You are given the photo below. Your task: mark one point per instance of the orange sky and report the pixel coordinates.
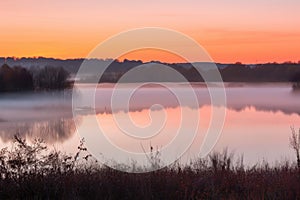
(231, 30)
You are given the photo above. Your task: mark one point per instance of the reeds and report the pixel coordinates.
(31, 171)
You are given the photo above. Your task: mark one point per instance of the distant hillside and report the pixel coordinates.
(72, 65)
(238, 72)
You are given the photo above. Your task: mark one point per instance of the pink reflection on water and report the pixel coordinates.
(258, 135)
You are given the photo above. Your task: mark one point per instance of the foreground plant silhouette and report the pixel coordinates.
(295, 144)
(31, 171)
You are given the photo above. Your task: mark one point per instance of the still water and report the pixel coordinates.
(257, 124)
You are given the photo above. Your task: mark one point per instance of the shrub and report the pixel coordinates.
(49, 78)
(15, 79)
(30, 171)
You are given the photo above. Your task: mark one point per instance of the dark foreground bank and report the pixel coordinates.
(33, 172)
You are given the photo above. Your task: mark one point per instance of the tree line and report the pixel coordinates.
(54, 78)
(18, 78)
(237, 72)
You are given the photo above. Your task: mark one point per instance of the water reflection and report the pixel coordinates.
(265, 97)
(257, 123)
(259, 135)
(51, 131)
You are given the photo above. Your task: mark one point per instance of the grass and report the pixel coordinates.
(31, 171)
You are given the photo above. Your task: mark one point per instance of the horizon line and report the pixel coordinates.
(106, 59)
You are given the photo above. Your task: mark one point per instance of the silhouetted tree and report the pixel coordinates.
(6, 74)
(296, 80)
(22, 79)
(15, 79)
(19, 78)
(50, 78)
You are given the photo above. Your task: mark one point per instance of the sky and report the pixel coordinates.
(254, 31)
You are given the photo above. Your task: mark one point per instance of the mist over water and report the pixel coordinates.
(257, 125)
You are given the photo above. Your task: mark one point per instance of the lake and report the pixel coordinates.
(257, 123)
